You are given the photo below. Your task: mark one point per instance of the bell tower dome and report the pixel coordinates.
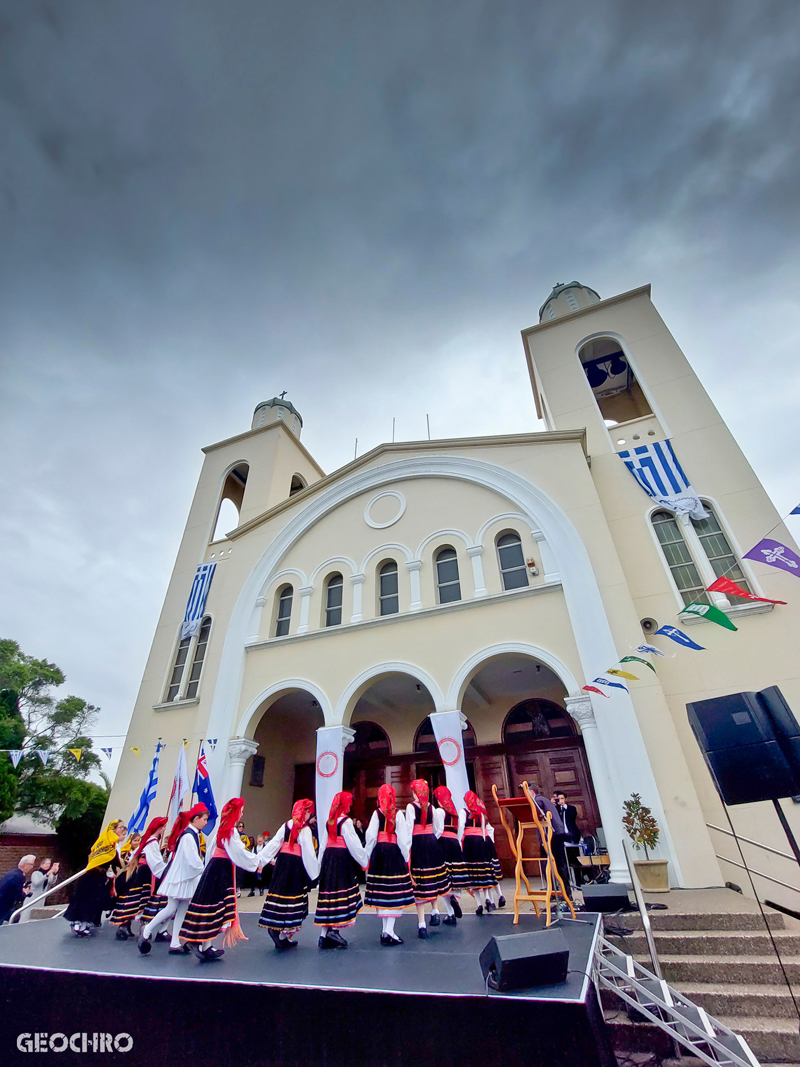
(278, 410)
(565, 298)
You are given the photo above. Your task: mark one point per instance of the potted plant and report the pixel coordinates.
(643, 831)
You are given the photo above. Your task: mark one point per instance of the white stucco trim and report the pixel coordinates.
(383, 550)
(468, 542)
(509, 516)
(329, 564)
(464, 674)
(349, 698)
(249, 721)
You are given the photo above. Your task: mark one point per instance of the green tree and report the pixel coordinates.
(80, 825)
(640, 824)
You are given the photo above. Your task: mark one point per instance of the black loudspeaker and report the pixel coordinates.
(609, 897)
(751, 743)
(521, 961)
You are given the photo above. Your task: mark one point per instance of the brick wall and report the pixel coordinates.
(14, 846)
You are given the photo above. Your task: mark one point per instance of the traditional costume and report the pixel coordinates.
(296, 867)
(338, 897)
(497, 871)
(92, 896)
(135, 886)
(450, 841)
(388, 846)
(428, 868)
(477, 861)
(180, 879)
(213, 907)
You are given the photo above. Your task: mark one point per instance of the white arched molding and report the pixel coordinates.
(289, 576)
(510, 517)
(387, 550)
(248, 722)
(448, 534)
(626, 754)
(465, 673)
(349, 698)
(221, 485)
(331, 565)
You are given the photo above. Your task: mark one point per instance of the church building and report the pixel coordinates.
(435, 608)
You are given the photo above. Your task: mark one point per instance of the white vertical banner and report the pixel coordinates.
(331, 743)
(447, 729)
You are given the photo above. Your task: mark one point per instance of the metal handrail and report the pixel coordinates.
(759, 874)
(35, 900)
(637, 892)
(749, 841)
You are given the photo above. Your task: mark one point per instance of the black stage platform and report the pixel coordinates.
(421, 1003)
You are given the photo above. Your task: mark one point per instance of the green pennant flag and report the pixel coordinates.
(638, 659)
(708, 611)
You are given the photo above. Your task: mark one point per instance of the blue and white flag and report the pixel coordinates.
(614, 685)
(649, 648)
(107, 752)
(679, 637)
(197, 599)
(795, 511)
(138, 820)
(205, 794)
(16, 755)
(657, 470)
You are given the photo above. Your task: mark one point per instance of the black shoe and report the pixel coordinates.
(122, 934)
(449, 920)
(422, 932)
(490, 907)
(479, 910)
(456, 907)
(182, 950)
(163, 935)
(144, 945)
(501, 903)
(387, 940)
(276, 937)
(435, 920)
(208, 955)
(252, 893)
(336, 938)
(286, 943)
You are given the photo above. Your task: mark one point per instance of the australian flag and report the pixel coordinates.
(205, 794)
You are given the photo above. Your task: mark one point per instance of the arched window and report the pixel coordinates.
(333, 600)
(297, 485)
(619, 396)
(198, 658)
(512, 562)
(425, 739)
(178, 668)
(230, 502)
(388, 597)
(697, 554)
(717, 549)
(189, 649)
(679, 559)
(284, 616)
(370, 740)
(447, 583)
(535, 719)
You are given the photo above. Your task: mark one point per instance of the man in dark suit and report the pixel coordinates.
(569, 816)
(11, 891)
(547, 807)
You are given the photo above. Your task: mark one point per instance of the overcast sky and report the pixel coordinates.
(206, 202)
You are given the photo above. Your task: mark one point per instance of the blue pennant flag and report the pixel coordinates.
(795, 511)
(138, 820)
(198, 595)
(679, 637)
(605, 681)
(106, 752)
(205, 794)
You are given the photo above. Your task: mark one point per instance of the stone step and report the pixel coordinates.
(770, 1039)
(695, 920)
(713, 943)
(728, 970)
(766, 1001)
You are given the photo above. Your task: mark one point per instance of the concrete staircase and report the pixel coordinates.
(722, 959)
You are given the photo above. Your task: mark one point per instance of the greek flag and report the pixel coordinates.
(197, 599)
(657, 470)
(138, 820)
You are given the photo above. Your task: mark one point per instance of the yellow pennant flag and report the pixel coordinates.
(623, 674)
(136, 750)
(76, 752)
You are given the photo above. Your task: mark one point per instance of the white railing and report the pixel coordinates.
(36, 901)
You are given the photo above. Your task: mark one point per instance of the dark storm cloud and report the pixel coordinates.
(202, 203)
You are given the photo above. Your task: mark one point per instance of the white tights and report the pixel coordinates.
(175, 908)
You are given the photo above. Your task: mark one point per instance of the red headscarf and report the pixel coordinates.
(475, 805)
(387, 803)
(419, 790)
(183, 820)
(231, 814)
(152, 829)
(444, 799)
(340, 805)
(301, 813)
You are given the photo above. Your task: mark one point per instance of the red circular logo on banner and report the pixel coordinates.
(327, 764)
(449, 751)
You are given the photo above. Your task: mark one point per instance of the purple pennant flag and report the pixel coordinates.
(776, 554)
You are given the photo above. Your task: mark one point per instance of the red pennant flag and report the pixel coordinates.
(591, 689)
(725, 585)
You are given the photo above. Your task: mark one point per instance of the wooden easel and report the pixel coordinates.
(530, 818)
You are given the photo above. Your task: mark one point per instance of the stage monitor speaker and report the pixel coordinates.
(751, 744)
(522, 961)
(609, 897)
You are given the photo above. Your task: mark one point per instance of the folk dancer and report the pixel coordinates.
(296, 866)
(426, 862)
(92, 896)
(480, 876)
(213, 907)
(180, 878)
(135, 886)
(338, 896)
(495, 893)
(454, 822)
(388, 846)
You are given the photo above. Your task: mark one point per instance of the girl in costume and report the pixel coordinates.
(213, 907)
(450, 840)
(339, 898)
(477, 861)
(389, 887)
(495, 892)
(135, 886)
(428, 868)
(91, 896)
(296, 866)
(180, 878)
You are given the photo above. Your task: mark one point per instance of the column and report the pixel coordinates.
(305, 603)
(255, 619)
(331, 743)
(549, 567)
(240, 749)
(447, 729)
(581, 710)
(358, 588)
(475, 552)
(413, 567)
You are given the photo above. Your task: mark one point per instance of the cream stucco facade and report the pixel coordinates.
(292, 701)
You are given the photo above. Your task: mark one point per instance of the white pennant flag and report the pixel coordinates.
(16, 755)
(43, 754)
(181, 785)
